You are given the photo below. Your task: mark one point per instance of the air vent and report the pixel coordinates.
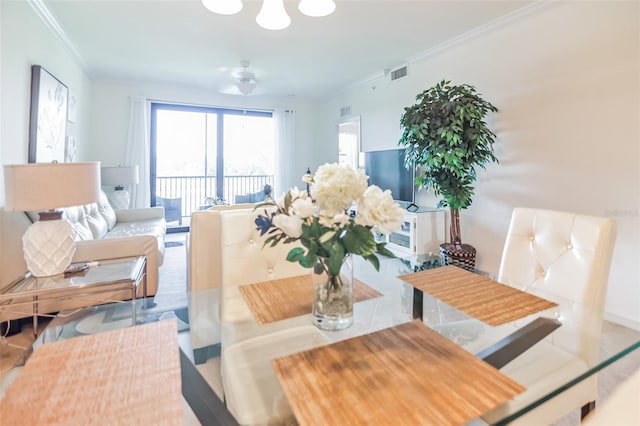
(344, 111)
(399, 73)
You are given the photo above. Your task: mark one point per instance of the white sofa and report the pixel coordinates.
(100, 232)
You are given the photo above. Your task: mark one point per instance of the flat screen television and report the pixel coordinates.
(386, 169)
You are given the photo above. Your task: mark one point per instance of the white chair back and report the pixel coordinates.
(564, 254)
(564, 257)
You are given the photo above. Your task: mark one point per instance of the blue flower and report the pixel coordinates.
(264, 223)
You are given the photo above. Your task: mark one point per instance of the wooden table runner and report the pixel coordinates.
(276, 300)
(127, 376)
(403, 375)
(478, 296)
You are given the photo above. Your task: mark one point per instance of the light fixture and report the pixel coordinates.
(223, 7)
(272, 15)
(245, 87)
(317, 8)
(118, 177)
(49, 244)
(246, 80)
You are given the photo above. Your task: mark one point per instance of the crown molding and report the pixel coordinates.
(52, 24)
(498, 22)
(426, 54)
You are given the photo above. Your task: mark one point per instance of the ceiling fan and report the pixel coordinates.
(244, 81)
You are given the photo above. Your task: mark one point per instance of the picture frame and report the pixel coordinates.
(70, 150)
(72, 112)
(48, 117)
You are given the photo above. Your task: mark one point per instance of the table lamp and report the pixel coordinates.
(49, 243)
(118, 177)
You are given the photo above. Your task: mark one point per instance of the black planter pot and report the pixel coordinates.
(461, 255)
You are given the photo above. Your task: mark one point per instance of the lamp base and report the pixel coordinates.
(48, 247)
(119, 199)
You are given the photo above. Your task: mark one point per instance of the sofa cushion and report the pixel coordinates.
(97, 223)
(106, 210)
(78, 218)
(153, 227)
(143, 227)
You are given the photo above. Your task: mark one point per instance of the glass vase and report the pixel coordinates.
(333, 295)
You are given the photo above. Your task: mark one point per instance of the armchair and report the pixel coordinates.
(254, 197)
(172, 208)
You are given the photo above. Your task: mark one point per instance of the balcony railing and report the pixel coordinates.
(194, 190)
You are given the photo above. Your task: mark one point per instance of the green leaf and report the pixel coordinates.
(309, 261)
(359, 240)
(373, 259)
(295, 254)
(336, 258)
(384, 251)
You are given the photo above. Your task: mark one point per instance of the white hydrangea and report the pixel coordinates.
(377, 208)
(336, 187)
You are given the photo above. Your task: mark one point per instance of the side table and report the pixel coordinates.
(27, 294)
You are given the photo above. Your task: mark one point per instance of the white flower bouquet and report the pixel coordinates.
(320, 220)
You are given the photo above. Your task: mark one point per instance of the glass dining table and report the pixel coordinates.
(567, 328)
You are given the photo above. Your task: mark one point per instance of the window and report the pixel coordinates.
(201, 155)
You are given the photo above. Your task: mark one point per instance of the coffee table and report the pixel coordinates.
(394, 307)
(35, 296)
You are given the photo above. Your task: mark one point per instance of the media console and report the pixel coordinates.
(423, 231)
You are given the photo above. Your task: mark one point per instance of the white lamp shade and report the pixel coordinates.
(317, 8)
(47, 186)
(223, 7)
(121, 175)
(273, 16)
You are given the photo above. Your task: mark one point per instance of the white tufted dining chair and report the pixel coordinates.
(566, 257)
(251, 390)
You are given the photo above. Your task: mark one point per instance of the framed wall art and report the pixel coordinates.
(48, 120)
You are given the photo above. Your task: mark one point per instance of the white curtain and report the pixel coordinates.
(138, 150)
(287, 173)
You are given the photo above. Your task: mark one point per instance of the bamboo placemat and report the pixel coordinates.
(276, 300)
(478, 296)
(403, 375)
(127, 376)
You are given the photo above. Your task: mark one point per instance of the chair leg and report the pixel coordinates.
(586, 409)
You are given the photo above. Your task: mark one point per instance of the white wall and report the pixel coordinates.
(565, 77)
(26, 41)
(110, 118)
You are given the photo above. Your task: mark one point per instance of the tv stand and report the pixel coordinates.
(423, 230)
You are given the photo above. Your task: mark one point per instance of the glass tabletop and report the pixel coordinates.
(578, 334)
(107, 271)
(574, 344)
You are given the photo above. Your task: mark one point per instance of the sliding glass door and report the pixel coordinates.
(202, 156)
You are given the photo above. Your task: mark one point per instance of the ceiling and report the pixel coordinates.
(180, 42)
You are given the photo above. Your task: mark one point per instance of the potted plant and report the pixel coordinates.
(446, 137)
